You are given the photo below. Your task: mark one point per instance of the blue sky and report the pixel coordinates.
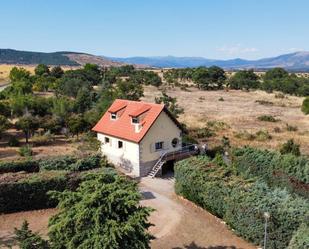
(219, 29)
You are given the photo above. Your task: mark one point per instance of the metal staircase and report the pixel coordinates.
(180, 154)
(153, 172)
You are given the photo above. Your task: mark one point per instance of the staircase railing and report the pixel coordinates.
(186, 150)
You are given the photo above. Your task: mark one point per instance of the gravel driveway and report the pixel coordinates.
(179, 224)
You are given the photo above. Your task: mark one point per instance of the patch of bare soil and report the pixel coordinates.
(240, 111)
(38, 222)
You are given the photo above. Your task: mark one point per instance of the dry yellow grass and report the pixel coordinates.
(6, 68)
(240, 111)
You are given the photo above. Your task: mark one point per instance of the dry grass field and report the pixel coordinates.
(6, 68)
(239, 111)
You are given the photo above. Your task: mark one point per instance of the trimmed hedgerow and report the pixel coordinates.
(241, 202)
(67, 162)
(87, 163)
(288, 171)
(15, 166)
(31, 192)
(57, 163)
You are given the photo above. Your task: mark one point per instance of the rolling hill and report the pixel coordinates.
(298, 61)
(11, 56)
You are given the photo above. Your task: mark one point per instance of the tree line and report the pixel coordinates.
(214, 78)
(77, 98)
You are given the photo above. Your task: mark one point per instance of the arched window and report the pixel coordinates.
(175, 142)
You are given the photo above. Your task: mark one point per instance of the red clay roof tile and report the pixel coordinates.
(122, 126)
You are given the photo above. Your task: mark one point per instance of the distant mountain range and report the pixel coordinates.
(63, 58)
(298, 61)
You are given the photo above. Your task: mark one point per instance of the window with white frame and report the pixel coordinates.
(113, 116)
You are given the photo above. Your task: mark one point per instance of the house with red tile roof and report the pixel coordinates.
(135, 134)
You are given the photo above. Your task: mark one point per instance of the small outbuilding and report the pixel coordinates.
(135, 135)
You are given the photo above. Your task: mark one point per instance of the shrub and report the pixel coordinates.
(31, 192)
(267, 118)
(221, 99)
(290, 147)
(305, 106)
(57, 163)
(262, 135)
(25, 151)
(28, 240)
(104, 212)
(279, 96)
(291, 127)
(277, 129)
(245, 135)
(217, 188)
(15, 166)
(264, 102)
(87, 163)
(40, 140)
(300, 239)
(286, 171)
(13, 142)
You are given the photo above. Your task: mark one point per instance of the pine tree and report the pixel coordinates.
(104, 212)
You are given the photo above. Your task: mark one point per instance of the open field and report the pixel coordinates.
(240, 111)
(6, 68)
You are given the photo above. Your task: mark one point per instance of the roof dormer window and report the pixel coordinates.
(135, 120)
(113, 116)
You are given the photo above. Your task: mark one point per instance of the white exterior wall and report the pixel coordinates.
(126, 157)
(164, 129)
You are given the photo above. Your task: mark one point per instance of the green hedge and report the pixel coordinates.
(31, 192)
(286, 171)
(15, 166)
(57, 163)
(19, 192)
(241, 202)
(300, 239)
(54, 163)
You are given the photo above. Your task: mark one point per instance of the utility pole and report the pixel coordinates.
(266, 216)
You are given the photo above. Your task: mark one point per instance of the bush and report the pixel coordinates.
(57, 163)
(15, 166)
(13, 142)
(25, 151)
(28, 240)
(39, 140)
(300, 239)
(305, 106)
(286, 171)
(267, 118)
(31, 193)
(104, 212)
(264, 102)
(290, 147)
(245, 135)
(262, 135)
(87, 163)
(291, 127)
(217, 188)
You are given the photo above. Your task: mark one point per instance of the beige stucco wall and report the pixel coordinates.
(126, 157)
(164, 129)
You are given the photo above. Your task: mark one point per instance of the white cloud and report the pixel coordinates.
(237, 49)
(295, 49)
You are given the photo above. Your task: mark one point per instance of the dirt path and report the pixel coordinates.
(181, 225)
